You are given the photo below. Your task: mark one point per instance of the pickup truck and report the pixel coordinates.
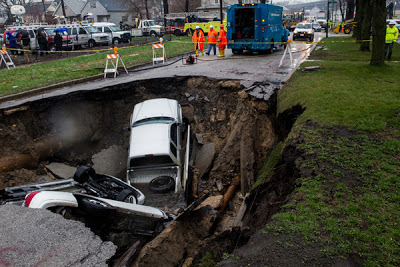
(114, 32)
(157, 155)
(147, 28)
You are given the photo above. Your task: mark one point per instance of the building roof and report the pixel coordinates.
(75, 5)
(112, 5)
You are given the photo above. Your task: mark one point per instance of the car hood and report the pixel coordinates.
(149, 139)
(160, 107)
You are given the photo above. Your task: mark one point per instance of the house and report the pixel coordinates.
(108, 11)
(214, 5)
(72, 9)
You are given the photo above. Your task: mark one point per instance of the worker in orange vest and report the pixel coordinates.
(198, 40)
(212, 40)
(222, 41)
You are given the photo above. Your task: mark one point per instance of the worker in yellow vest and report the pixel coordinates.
(392, 33)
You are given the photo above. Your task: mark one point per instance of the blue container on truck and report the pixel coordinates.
(256, 27)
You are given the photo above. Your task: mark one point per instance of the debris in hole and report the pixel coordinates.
(190, 99)
(60, 170)
(111, 161)
(311, 68)
(204, 158)
(260, 90)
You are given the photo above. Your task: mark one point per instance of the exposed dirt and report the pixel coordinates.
(78, 125)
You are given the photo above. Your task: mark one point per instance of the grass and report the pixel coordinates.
(348, 198)
(38, 75)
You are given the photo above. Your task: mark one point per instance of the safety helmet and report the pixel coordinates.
(391, 22)
(222, 25)
(211, 26)
(197, 27)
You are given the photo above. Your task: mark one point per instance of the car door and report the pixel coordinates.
(109, 32)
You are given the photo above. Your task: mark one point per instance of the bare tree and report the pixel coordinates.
(143, 9)
(177, 6)
(350, 7)
(378, 32)
(367, 6)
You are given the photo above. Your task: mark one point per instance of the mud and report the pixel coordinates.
(87, 123)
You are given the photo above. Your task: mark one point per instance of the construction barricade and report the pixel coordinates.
(114, 60)
(5, 57)
(157, 58)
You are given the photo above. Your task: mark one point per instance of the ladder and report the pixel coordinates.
(114, 69)
(6, 58)
(158, 59)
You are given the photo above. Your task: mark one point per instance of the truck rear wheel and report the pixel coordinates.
(177, 32)
(237, 51)
(189, 32)
(271, 48)
(162, 184)
(153, 34)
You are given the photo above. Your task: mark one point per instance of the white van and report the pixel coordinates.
(114, 32)
(87, 36)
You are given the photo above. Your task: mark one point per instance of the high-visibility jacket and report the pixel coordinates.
(391, 34)
(212, 36)
(222, 37)
(198, 40)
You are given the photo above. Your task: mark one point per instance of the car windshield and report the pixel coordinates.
(50, 32)
(303, 26)
(115, 28)
(316, 25)
(92, 29)
(152, 120)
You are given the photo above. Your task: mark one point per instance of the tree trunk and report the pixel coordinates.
(350, 9)
(358, 19)
(186, 5)
(146, 5)
(366, 25)
(165, 4)
(378, 32)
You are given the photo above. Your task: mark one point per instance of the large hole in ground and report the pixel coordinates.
(86, 128)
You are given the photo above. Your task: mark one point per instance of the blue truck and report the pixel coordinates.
(256, 27)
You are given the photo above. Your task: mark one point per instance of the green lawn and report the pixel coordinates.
(348, 195)
(38, 75)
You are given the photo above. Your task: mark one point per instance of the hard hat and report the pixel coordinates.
(222, 25)
(391, 22)
(197, 27)
(211, 26)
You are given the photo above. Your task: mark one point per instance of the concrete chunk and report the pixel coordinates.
(204, 158)
(61, 170)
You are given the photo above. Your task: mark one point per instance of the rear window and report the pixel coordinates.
(150, 161)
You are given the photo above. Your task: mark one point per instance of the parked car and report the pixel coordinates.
(303, 31)
(157, 155)
(114, 32)
(87, 36)
(317, 27)
(67, 40)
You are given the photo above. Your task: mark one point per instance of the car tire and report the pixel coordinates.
(237, 51)
(177, 33)
(162, 184)
(347, 30)
(83, 173)
(153, 34)
(115, 41)
(127, 196)
(91, 43)
(52, 48)
(189, 32)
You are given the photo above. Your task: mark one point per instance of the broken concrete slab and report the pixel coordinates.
(204, 158)
(111, 161)
(199, 138)
(61, 170)
(39, 237)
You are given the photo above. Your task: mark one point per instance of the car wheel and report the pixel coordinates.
(237, 51)
(177, 33)
(115, 41)
(162, 184)
(271, 49)
(347, 31)
(83, 173)
(127, 196)
(153, 34)
(189, 32)
(91, 43)
(52, 48)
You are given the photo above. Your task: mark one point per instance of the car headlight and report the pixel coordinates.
(295, 31)
(96, 38)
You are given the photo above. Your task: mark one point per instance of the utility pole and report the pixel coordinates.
(220, 10)
(63, 8)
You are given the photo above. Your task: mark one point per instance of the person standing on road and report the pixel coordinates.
(58, 41)
(212, 40)
(42, 41)
(24, 42)
(392, 33)
(12, 43)
(198, 40)
(222, 41)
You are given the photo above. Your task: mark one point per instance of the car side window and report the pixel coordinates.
(174, 133)
(74, 31)
(107, 29)
(82, 31)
